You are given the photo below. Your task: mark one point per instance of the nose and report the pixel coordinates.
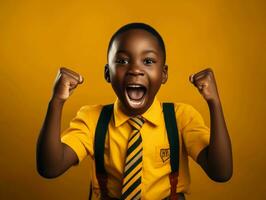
(135, 70)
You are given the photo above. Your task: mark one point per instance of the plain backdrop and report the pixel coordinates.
(38, 37)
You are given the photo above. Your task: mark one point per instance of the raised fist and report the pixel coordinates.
(65, 83)
(205, 82)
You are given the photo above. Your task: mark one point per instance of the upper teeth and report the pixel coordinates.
(135, 86)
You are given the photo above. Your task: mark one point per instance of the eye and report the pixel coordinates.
(121, 61)
(149, 61)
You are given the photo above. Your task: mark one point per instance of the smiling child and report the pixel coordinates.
(136, 157)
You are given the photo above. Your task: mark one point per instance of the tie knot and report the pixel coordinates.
(136, 122)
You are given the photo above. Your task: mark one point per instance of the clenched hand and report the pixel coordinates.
(65, 83)
(205, 82)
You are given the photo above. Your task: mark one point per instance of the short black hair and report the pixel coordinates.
(141, 26)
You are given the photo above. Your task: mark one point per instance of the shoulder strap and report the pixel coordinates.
(172, 133)
(100, 134)
(99, 141)
(173, 139)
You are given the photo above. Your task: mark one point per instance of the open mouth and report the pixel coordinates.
(135, 94)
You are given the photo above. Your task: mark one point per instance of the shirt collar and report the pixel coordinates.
(152, 115)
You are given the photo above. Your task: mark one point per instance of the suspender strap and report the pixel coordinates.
(99, 141)
(173, 139)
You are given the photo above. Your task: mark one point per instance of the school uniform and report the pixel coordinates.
(193, 136)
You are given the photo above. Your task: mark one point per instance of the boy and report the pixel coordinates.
(136, 149)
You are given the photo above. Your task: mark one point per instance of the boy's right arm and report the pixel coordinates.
(54, 157)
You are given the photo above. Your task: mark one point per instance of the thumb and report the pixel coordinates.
(191, 79)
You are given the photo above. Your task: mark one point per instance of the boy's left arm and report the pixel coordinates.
(216, 158)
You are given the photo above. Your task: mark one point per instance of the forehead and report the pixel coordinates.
(136, 39)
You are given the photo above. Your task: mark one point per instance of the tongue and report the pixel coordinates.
(135, 93)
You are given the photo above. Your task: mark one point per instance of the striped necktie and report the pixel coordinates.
(131, 188)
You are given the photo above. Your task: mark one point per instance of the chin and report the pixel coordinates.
(136, 107)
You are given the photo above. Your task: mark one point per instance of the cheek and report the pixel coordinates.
(113, 73)
(116, 75)
(155, 77)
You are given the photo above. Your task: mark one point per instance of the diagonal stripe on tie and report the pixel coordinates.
(133, 139)
(136, 196)
(132, 167)
(134, 146)
(132, 180)
(134, 175)
(133, 160)
(131, 188)
(134, 152)
(138, 150)
(137, 123)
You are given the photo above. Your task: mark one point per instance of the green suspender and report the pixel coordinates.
(172, 132)
(101, 131)
(99, 141)
(173, 139)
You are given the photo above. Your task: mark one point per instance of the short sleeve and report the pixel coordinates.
(195, 133)
(79, 134)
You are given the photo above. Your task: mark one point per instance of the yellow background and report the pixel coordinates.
(37, 37)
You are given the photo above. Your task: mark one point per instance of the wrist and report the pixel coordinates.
(214, 102)
(55, 101)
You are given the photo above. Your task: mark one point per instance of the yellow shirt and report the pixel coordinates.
(193, 137)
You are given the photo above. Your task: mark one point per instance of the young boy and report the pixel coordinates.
(136, 148)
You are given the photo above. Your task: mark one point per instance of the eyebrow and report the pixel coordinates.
(144, 52)
(151, 51)
(122, 51)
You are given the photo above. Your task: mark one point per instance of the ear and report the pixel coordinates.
(165, 74)
(107, 73)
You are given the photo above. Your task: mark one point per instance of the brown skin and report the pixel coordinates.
(216, 158)
(135, 58)
(53, 157)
